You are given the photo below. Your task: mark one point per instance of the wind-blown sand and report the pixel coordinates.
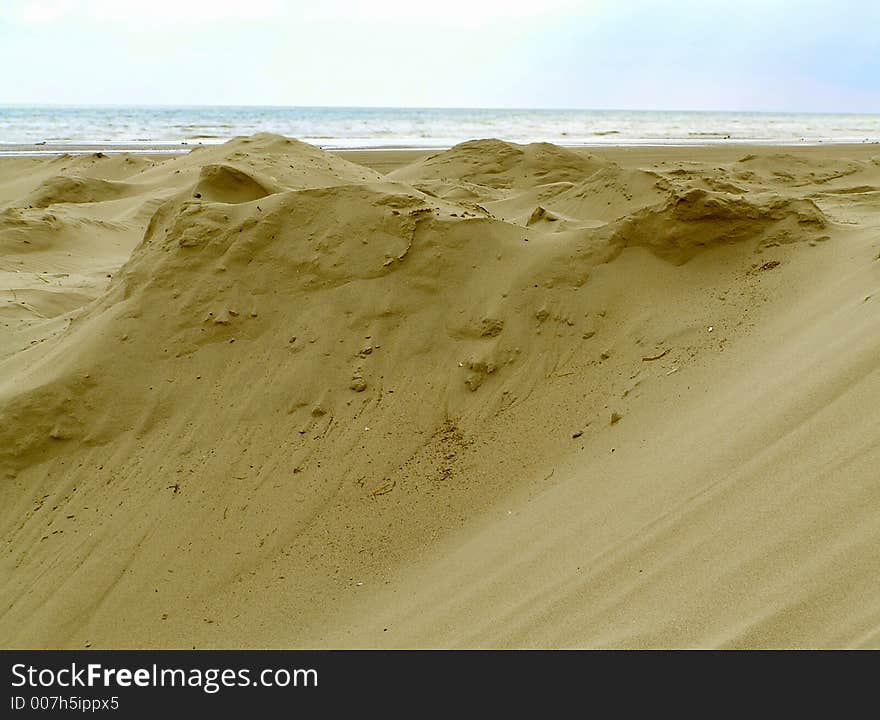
(261, 395)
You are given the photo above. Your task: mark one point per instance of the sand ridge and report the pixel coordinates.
(261, 395)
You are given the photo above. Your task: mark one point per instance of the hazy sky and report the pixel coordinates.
(803, 55)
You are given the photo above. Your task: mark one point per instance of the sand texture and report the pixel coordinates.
(261, 395)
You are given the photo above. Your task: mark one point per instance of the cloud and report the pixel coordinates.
(782, 54)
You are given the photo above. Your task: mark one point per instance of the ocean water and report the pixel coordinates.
(422, 127)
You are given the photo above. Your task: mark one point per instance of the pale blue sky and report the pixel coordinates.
(775, 55)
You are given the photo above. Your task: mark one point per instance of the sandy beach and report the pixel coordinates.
(261, 395)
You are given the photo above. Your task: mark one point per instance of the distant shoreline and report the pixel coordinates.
(160, 148)
(46, 131)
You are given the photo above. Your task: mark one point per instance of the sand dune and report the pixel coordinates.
(262, 395)
(499, 164)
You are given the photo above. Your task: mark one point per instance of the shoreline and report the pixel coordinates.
(178, 148)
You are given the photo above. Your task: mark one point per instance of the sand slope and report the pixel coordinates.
(501, 396)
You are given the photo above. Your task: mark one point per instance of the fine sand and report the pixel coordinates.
(262, 395)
